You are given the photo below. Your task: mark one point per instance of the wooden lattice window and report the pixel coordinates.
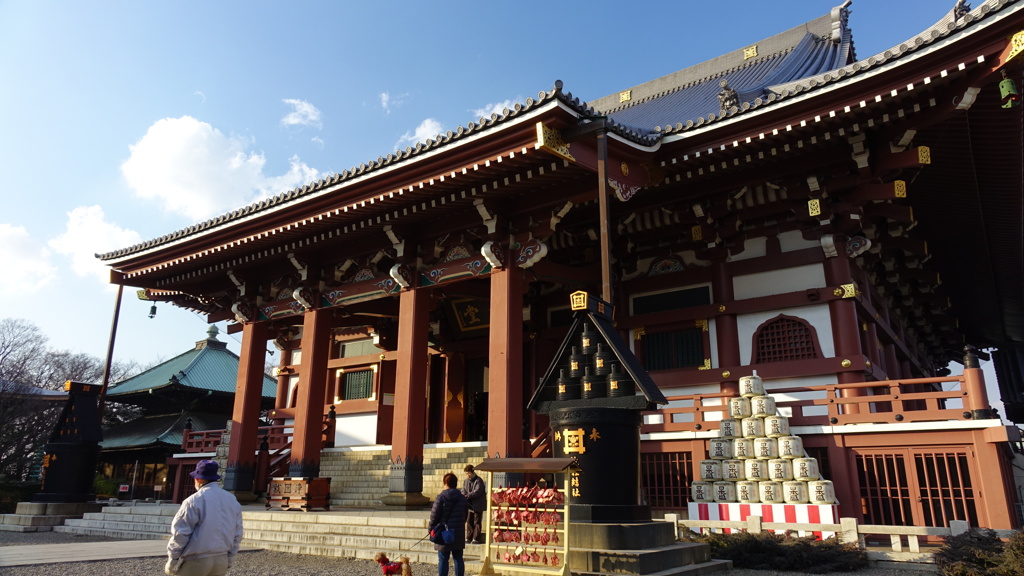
(785, 338)
(354, 384)
(665, 478)
(673, 349)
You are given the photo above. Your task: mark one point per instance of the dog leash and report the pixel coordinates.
(420, 540)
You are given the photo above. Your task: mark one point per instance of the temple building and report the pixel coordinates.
(844, 226)
(192, 392)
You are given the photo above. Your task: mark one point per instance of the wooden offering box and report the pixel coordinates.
(299, 493)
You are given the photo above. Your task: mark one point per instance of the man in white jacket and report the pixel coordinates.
(207, 529)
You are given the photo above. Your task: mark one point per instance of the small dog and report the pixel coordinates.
(388, 567)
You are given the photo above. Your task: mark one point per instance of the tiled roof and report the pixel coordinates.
(25, 391)
(165, 430)
(691, 94)
(209, 366)
(780, 89)
(797, 61)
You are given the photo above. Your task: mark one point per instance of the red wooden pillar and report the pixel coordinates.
(406, 475)
(282, 381)
(844, 475)
(179, 483)
(845, 328)
(385, 401)
(505, 365)
(240, 471)
(728, 337)
(307, 439)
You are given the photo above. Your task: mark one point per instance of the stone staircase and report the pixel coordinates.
(42, 516)
(358, 525)
(347, 534)
(359, 477)
(135, 522)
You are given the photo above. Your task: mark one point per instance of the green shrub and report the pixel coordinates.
(13, 492)
(106, 487)
(979, 552)
(770, 551)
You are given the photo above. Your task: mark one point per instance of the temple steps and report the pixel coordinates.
(344, 534)
(360, 478)
(141, 522)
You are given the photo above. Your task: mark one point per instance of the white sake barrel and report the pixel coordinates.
(794, 492)
(755, 469)
(710, 470)
(719, 448)
(724, 491)
(762, 406)
(701, 491)
(821, 492)
(730, 428)
(751, 386)
(732, 470)
(770, 492)
(743, 448)
(746, 492)
(766, 448)
(780, 469)
(776, 426)
(753, 427)
(805, 469)
(739, 407)
(791, 447)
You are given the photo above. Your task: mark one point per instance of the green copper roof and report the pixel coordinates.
(210, 366)
(149, 431)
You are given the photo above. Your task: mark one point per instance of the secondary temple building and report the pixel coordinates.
(842, 225)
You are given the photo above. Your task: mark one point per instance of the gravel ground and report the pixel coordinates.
(261, 563)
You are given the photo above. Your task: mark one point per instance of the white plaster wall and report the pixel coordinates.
(795, 279)
(752, 248)
(355, 430)
(794, 240)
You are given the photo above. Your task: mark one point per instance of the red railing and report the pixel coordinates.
(208, 440)
(888, 401)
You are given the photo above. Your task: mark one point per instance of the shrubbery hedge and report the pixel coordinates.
(770, 551)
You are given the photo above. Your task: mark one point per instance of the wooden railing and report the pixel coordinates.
(208, 440)
(887, 401)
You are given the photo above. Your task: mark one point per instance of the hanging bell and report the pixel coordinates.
(620, 384)
(593, 385)
(568, 389)
(588, 340)
(576, 363)
(603, 360)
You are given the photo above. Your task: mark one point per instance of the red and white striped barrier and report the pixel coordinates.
(790, 513)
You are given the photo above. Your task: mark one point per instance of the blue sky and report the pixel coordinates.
(124, 121)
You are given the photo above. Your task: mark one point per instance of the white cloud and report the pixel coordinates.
(389, 101)
(25, 262)
(303, 114)
(318, 141)
(195, 170)
(86, 234)
(494, 108)
(200, 94)
(429, 128)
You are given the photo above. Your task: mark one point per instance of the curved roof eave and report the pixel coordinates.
(792, 93)
(462, 136)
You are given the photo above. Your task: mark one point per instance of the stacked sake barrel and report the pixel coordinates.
(756, 459)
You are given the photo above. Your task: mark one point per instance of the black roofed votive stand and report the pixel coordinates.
(594, 394)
